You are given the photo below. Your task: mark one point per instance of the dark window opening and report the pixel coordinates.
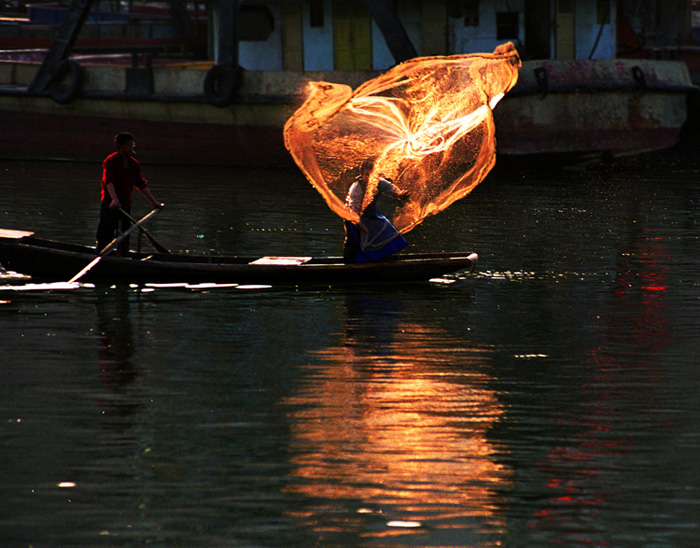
(565, 6)
(471, 13)
(255, 23)
(603, 12)
(507, 26)
(316, 13)
(360, 9)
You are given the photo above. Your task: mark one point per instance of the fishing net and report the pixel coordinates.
(427, 123)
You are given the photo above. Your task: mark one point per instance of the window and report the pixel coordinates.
(565, 6)
(255, 23)
(603, 12)
(316, 13)
(507, 25)
(471, 13)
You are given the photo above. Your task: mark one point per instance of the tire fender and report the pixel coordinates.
(67, 81)
(221, 85)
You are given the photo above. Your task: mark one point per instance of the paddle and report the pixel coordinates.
(155, 243)
(113, 244)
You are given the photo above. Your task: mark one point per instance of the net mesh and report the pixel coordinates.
(427, 123)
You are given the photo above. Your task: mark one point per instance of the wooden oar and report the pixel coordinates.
(114, 243)
(155, 243)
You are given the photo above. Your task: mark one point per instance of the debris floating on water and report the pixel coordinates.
(404, 524)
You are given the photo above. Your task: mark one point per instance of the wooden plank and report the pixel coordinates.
(290, 261)
(14, 234)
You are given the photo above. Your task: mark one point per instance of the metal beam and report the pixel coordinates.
(387, 20)
(184, 28)
(62, 44)
(227, 32)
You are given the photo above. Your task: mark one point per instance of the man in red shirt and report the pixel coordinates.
(121, 172)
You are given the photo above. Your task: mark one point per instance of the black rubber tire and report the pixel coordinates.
(67, 82)
(221, 85)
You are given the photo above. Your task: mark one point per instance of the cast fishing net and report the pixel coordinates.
(427, 123)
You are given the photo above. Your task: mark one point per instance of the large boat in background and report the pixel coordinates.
(197, 94)
(580, 110)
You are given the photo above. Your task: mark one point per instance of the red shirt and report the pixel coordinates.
(123, 178)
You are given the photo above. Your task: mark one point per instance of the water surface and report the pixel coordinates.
(547, 398)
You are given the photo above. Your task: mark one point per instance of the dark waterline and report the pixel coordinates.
(548, 398)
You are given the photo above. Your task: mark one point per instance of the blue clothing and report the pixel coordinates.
(369, 253)
(381, 239)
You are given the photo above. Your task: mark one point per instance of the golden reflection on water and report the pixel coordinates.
(393, 421)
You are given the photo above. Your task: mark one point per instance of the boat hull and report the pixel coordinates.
(580, 108)
(51, 261)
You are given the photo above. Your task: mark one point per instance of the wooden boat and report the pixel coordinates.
(54, 261)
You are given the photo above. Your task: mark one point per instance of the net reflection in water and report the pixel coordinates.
(395, 418)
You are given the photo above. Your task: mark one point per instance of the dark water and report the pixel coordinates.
(550, 398)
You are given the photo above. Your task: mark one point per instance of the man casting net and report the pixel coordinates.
(427, 124)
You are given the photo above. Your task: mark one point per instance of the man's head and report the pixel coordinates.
(125, 142)
(123, 138)
(366, 167)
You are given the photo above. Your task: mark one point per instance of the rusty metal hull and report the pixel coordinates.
(40, 135)
(588, 108)
(567, 109)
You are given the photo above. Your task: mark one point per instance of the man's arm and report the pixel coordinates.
(113, 194)
(155, 203)
(353, 202)
(386, 186)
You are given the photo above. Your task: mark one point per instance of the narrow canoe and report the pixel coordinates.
(54, 261)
